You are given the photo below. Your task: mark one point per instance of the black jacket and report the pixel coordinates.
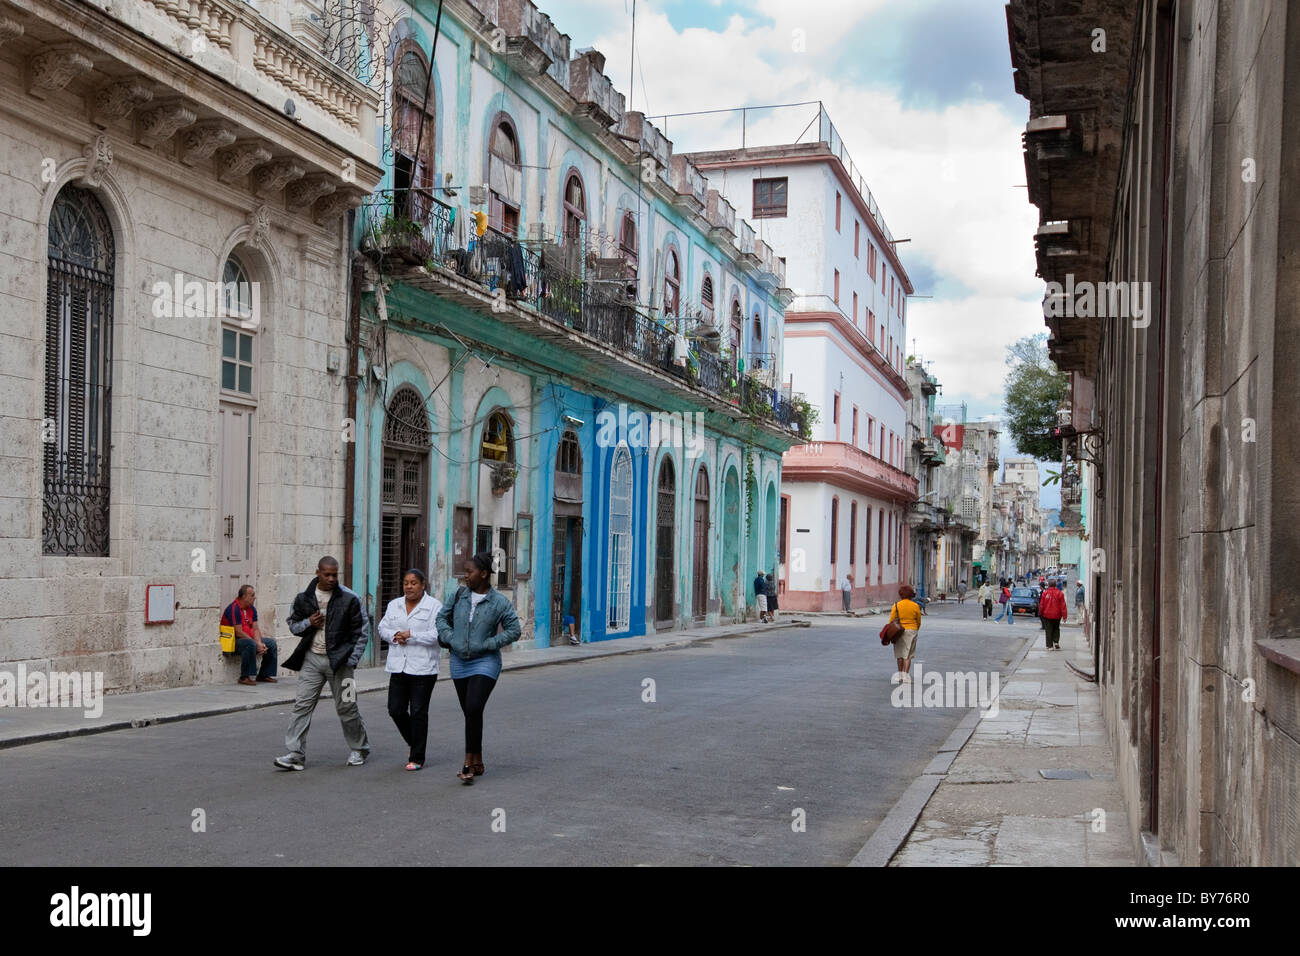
(347, 629)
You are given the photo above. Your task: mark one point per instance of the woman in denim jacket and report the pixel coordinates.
(474, 625)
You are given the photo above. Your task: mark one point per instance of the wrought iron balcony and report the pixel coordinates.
(416, 238)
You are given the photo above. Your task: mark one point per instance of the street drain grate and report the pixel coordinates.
(1065, 774)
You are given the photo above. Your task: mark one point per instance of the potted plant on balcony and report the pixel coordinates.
(503, 477)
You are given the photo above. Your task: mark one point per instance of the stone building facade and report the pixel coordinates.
(1168, 159)
(173, 201)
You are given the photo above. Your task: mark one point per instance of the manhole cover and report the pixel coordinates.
(1065, 774)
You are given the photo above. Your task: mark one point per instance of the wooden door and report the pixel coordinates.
(235, 556)
(700, 575)
(665, 545)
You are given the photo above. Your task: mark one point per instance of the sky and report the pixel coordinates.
(920, 91)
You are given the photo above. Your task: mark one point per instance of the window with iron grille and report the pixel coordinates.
(620, 542)
(78, 376)
(770, 197)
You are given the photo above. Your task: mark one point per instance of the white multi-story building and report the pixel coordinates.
(844, 494)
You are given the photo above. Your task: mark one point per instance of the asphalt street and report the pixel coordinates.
(743, 734)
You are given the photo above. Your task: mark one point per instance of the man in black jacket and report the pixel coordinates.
(332, 625)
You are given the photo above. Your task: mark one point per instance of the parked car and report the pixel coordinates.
(1024, 601)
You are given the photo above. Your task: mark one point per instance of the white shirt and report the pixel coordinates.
(846, 585)
(323, 599)
(475, 599)
(419, 655)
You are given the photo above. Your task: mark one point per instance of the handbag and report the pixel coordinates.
(892, 629)
(227, 639)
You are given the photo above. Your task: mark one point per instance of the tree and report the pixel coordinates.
(1035, 389)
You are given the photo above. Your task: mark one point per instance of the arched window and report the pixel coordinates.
(700, 561)
(737, 322)
(627, 248)
(706, 298)
(758, 330)
(620, 542)
(672, 284)
(575, 221)
(412, 175)
(498, 438)
(78, 375)
(504, 177)
(237, 340)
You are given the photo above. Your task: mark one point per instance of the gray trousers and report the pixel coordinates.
(311, 681)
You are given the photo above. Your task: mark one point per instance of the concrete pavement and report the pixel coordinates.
(1033, 785)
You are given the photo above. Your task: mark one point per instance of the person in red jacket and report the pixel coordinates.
(1051, 609)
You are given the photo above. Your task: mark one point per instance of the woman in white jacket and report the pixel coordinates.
(409, 628)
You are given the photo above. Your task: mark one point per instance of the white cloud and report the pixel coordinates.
(946, 178)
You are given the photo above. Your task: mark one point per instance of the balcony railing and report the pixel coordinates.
(411, 227)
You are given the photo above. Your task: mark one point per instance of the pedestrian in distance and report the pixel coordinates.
(1078, 596)
(961, 591)
(772, 604)
(249, 642)
(986, 601)
(908, 614)
(1051, 611)
(1005, 600)
(409, 627)
(334, 631)
(846, 590)
(760, 597)
(474, 625)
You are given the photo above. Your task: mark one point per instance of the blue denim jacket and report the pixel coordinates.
(467, 640)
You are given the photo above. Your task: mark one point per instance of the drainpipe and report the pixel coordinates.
(355, 276)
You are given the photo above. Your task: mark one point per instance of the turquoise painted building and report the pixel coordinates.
(568, 349)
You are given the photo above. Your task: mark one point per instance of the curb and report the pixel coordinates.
(888, 838)
(45, 736)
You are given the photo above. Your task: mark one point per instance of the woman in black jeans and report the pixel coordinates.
(469, 626)
(409, 628)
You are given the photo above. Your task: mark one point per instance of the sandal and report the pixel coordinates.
(466, 774)
(479, 770)
(412, 765)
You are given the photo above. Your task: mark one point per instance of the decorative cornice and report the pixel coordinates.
(200, 142)
(54, 69)
(336, 204)
(117, 99)
(240, 159)
(99, 159)
(303, 193)
(163, 121)
(272, 177)
(10, 29)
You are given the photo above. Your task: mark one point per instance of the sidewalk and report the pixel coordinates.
(26, 725)
(985, 799)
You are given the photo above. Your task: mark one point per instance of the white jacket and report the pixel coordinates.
(419, 655)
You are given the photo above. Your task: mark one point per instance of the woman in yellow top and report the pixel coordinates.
(907, 613)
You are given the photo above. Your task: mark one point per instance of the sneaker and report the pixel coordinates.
(896, 678)
(290, 762)
(907, 679)
(574, 641)
(356, 758)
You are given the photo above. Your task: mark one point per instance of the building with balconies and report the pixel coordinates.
(174, 200)
(847, 319)
(570, 348)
